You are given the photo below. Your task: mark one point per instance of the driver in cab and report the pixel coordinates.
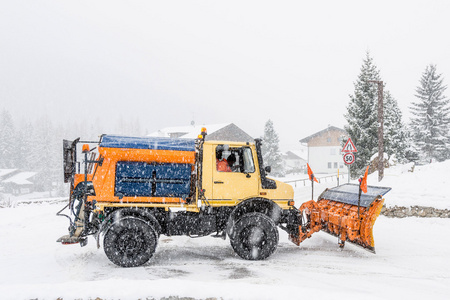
(224, 164)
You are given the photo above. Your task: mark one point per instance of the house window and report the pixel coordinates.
(329, 140)
(329, 165)
(335, 165)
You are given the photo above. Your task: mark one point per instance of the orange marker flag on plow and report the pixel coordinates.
(311, 174)
(363, 184)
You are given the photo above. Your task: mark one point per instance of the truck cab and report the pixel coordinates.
(244, 179)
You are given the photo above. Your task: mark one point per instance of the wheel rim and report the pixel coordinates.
(253, 239)
(130, 242)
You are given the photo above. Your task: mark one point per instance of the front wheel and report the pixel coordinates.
(255, 236)
(130, 242)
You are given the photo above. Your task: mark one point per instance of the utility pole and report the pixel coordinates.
(380, 130)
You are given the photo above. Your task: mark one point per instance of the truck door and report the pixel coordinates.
(240, 180)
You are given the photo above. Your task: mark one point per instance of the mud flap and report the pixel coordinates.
(342, 212)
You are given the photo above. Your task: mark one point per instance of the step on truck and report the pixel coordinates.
(127, 191)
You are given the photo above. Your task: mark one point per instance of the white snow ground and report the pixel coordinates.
(412, 260)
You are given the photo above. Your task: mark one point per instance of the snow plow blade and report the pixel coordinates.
(343, 212)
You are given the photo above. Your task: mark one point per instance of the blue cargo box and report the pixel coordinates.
(140, 179)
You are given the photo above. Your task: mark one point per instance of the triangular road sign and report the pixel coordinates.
(349, 147)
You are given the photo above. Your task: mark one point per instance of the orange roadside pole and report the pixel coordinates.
(312, 178)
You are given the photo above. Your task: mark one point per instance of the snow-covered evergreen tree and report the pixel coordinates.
(362, 114)
(25, 147)
(271, 150)
(46, 161)
(430, 124)
(8, 156)
(395, 135)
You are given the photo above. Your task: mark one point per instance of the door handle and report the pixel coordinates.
(218, 182)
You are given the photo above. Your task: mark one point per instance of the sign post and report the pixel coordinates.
(349, 157)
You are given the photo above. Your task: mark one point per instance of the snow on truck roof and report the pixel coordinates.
(153, 143)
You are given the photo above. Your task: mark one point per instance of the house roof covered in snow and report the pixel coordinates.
(294, 155)
(20, 178)
(6, 172)
(226, 132)
(319, 133)
(191, 131)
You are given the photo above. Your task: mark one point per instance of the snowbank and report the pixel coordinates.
(422, 185)
(411, 185)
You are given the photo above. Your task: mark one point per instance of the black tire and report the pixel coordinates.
(255, 236)
(130, 242)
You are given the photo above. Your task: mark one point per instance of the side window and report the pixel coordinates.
(229, 159)
(222, 155)
(248, 164)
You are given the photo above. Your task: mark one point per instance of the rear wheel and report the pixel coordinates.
(255, 236)
(130, 242)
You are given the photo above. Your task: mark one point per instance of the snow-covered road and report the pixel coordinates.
(412, 260)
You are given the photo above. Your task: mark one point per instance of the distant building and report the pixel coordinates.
(294, 163)
(216, 132)
(17, 182)
(324, 150)
(5, 173)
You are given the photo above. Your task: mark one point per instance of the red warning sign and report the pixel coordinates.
(349, 158)
(349, 147)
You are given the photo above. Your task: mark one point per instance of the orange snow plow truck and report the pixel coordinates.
(128, 191)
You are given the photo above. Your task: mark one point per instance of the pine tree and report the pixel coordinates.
(8, 157)
(25, 153)
(411, 151)
(46, 160)
(271, 150)
(362, 119)
(395, 135)
(430, 124)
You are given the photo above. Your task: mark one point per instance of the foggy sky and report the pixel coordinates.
(168, 63)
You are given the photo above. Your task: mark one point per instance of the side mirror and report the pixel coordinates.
(268, 169)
